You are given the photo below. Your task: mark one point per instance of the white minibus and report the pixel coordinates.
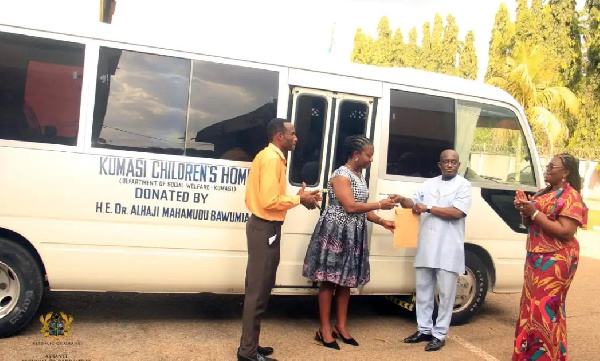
(123, 165)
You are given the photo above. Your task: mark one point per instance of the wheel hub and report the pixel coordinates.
(10, 289)
(465, 290)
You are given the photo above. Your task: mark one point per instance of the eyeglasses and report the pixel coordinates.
(551, 166)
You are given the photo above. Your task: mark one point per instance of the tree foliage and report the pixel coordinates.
(529, 79)
(587, 132)
(548, 59)
(440, 49)
(541, 60)
(467, 68)
(501, 41)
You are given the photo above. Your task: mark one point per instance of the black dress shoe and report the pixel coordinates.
(334, 345)
(350, 341)
(435, 344)
(257, 357)
(265, 351)
(418, 337)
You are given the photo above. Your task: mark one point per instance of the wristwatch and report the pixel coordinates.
(429, 209)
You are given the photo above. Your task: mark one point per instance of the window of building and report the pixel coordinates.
(40, 89)
(421, 127)
(491, 145)
(141, 102)
(230, 107)
(311, 114)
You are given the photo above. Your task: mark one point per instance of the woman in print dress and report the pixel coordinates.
(338, 255)
(552, 215)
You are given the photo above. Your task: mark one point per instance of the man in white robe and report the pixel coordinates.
(442, 203)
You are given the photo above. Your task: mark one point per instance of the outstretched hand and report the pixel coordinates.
(387, 203)
(419, 208)
(396, 198)
(309, 199)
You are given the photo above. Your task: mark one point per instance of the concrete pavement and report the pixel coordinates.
(109, 326)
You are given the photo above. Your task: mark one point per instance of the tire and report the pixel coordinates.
(21, 287)
(471, 290)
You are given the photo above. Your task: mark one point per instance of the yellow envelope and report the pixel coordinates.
(407, 228)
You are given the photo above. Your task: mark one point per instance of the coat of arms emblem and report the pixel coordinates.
(56, 324)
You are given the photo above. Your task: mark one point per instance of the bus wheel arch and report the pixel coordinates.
(22, 278)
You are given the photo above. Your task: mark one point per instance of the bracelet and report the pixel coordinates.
(535, 214)
(378, 202)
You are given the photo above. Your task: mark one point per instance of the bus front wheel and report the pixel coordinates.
(21, 287)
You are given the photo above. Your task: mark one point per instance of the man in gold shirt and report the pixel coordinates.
(266, 199)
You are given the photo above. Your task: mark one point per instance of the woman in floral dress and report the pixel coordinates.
(552, 216)
(338, 254)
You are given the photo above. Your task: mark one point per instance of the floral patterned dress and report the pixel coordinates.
(338, 250)
(541, 332)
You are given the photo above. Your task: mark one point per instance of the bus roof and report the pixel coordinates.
(268, 54)
(414, 78)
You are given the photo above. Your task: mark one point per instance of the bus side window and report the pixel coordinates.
(40, 89)
(491, 145)
(230, 106)
(421, 127)
(352, 120)
(141, 102)
(311, 111)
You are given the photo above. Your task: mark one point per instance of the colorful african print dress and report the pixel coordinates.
(338, 251)
(541, 332)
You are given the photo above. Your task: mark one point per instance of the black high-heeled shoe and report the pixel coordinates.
(319, 337)
(350, 341)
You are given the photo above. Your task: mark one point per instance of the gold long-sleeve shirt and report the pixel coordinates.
(266, 187)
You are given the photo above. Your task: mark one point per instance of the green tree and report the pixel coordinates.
(502, 39)
(587, 131)
(437, 51)
(412, 52)
(425, 54)
(591, 35)
(540, 16)
(363, 48)
(398, 49)
(563, 40)
(467, 67)
(450, 47)
(529, 81)
(383, 43)
(527, 29)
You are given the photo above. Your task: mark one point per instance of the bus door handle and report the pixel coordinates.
(324, 201)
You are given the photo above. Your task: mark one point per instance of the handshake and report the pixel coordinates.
(394, 200)
(404, 202)
(311, 199)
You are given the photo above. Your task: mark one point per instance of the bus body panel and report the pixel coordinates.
(119, 220)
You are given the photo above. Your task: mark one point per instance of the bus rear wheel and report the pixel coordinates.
(21, 287)
(471, 289)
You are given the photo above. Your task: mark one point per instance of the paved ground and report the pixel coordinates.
(206, 327)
